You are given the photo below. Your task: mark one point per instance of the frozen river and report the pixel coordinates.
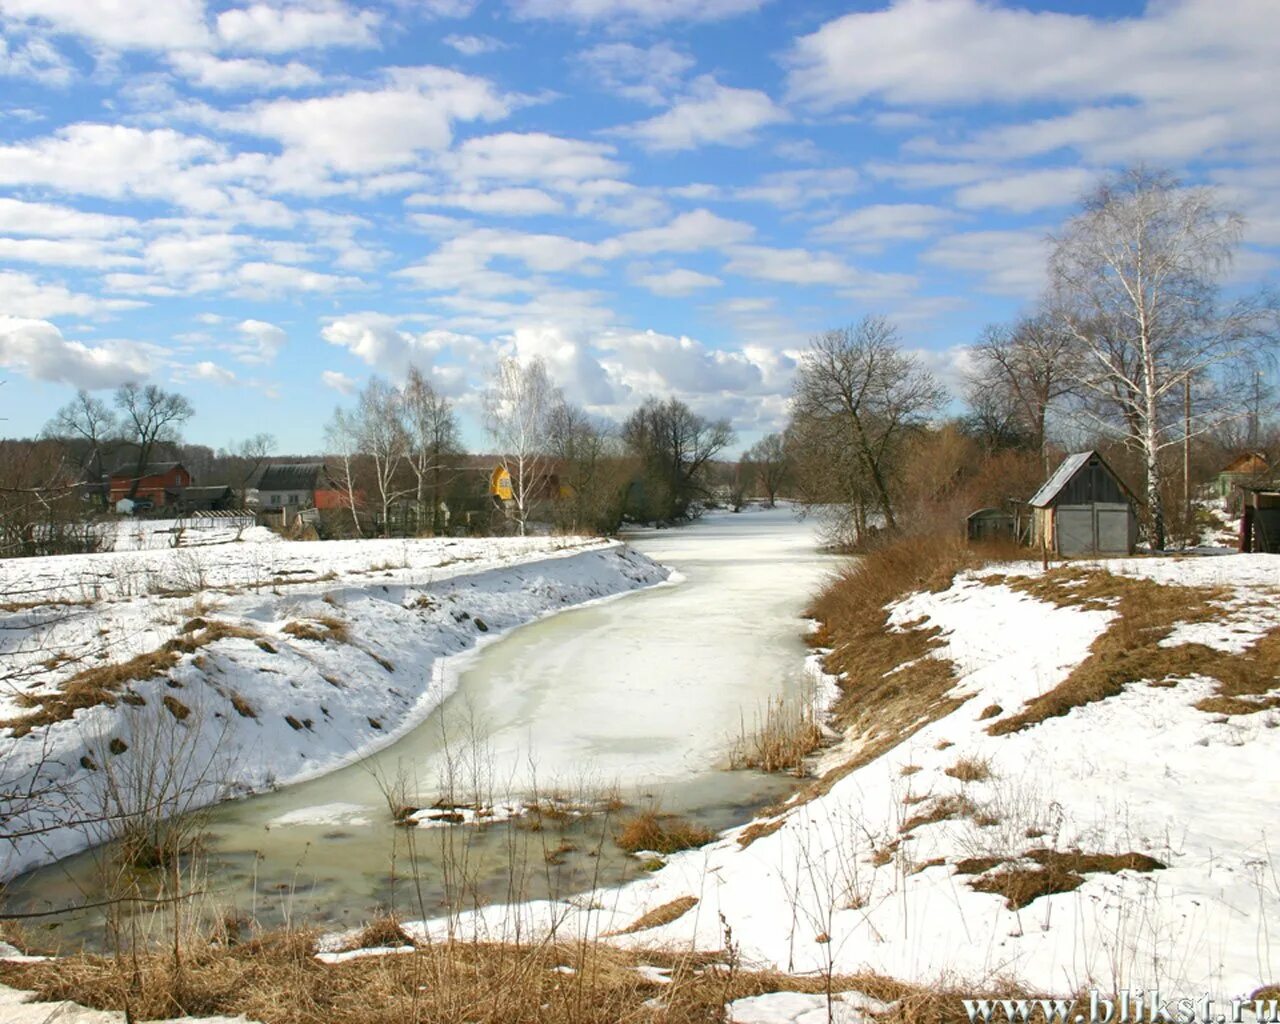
(641, 695)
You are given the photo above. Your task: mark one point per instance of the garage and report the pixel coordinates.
(1084, 510)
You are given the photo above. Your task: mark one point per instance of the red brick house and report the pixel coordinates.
(161, 483)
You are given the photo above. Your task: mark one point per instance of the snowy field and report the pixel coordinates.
(255, 664)
(844, 884)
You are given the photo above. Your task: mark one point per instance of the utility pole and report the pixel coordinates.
(1186, 446)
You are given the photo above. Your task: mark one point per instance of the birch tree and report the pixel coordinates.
(341, 435)
(517, 414)
(381, 435)
(1135, 283)
(432, 432)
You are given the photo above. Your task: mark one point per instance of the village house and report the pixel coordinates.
(295, 485)
(160, 483)
(1246, 468)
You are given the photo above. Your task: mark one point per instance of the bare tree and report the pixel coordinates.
(1135, 283)
(857, 382)
(342, 439)
(592, 476)
(151, 416)
(88, 421)
(381, 435)
(248, 457)
(1025, 368)
(676, 446)
(769, 458)
(432, 431)
(517, 413)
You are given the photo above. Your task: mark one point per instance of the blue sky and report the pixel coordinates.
(262, 202)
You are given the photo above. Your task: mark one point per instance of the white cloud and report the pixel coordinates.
(689, 232)
(371, 130)
(47, 220)
(674, 283)
(338, 381)
(513, 202)
(531, 157)
(878, 223)
(961, 51)
(206, 71)
(802, 267)
(709, 113)
(118, 24)
(446, 8)
(207, 371)
(647, 74)
(37, 349)
(62, 252)
(638, 12)
(1010, 262)
(34, 60)
(1028, 191)
(21, 295)
(474, 46)
(270, 28)
(263, 279)
(651, 363)
(262, 341)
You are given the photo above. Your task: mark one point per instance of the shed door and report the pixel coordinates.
(1075, 530)
(1113, 529)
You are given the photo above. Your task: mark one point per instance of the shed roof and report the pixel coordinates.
(1249, 463)
(1061, 476)
(291, 476)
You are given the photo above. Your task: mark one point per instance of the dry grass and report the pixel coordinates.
(661, 833)
(382, 932)
(1130, 650)
(942, 808)
(1055, 871)
(784, 735)
(971, 769)
(275, 979)
(659, 916)
(322, 629)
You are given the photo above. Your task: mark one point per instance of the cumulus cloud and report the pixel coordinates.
(708, 114)
(49, 220)
(638, 12)
(36, 349)
(474, 46)
(262, 341)
(1009, 262)
(22, 295)
(508, 202)
(530, 157)
(647, 74)
(117, 24)
(205, 71)
(339, 382)
(873, 225)
(208, 371)
(1027, 191)
(34, 60)
(674, 283)
(271, 28)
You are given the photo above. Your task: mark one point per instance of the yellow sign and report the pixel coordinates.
(500, 483)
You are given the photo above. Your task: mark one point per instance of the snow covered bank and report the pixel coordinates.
(1120, 842)
(246, 666)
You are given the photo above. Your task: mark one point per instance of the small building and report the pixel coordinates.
(1260, 521)
(1244, 469)
(211, 498)
(296, 485)
(988, 525)
(1084, 509)
(161, 483)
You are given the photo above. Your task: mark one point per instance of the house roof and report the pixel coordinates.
(150, 469)
(1065, 471)
(1247, 462)
(206, 491)
(1070, 466)
(291, 476)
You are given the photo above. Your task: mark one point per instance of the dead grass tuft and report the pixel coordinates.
(942, 808)
(659, 916)
(1055, 871)
(971, 769)
(381, 932)
(661, 833)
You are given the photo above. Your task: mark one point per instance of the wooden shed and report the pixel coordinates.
(1085, 509)
(1260, 522)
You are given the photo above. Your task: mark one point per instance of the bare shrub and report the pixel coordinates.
(784, 735)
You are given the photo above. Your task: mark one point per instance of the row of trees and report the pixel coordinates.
(1131, 349)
